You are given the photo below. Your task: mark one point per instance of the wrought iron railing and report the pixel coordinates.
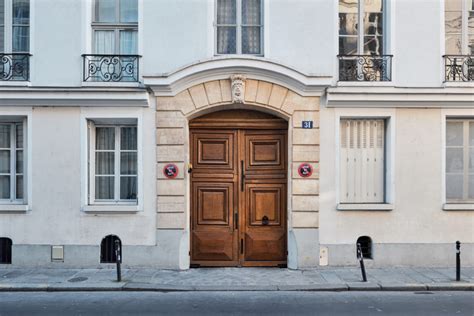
(365, 67)
(14, 67)
(110, 68)
(458, 67)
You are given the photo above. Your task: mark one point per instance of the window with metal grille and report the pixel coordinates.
(5, 250)
(366, 246)
(107, 249)
(362, 161)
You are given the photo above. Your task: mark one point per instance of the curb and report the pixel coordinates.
(149, 287)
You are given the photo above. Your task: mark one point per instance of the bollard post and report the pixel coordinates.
(361, 261)
(458, 260)
(118, 257)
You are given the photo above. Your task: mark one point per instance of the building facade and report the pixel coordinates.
(236, 132)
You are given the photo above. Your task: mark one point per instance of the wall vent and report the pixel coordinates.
(366, 246)
(107, 249)
(5, 250)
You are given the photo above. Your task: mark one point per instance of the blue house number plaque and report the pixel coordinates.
(307, 124)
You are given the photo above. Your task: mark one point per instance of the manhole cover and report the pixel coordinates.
(78, 279)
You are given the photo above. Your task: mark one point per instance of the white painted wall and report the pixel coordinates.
(175, 33)
(56, 216)
(418, 216)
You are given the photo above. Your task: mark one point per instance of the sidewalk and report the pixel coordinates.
(235, 279)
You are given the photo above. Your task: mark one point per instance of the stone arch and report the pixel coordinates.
(173, 115)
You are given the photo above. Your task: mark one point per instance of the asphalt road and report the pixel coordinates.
(237, 303)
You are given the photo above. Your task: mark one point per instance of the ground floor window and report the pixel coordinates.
(12, 162)
(113, 163)
(362, 161)
(460, 160)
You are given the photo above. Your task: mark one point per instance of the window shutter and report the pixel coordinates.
(362, 161)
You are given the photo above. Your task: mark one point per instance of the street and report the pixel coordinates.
(237, 303)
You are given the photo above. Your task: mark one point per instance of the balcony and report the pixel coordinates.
(14, 67)
(458, 68)
(110, 68)
(365, 67)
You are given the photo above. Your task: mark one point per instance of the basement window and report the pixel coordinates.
(5, 250)
(366, 246)
(107, 249)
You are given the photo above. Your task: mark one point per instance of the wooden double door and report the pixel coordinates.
(238, 190)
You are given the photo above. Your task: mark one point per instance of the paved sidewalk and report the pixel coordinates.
(235, 279)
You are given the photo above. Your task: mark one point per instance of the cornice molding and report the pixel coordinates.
(219, 68)
(400, 97)
(134, 97)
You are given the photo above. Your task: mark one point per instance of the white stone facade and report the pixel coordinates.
(181, 78)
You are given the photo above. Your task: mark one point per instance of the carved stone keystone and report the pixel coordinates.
(238, 88)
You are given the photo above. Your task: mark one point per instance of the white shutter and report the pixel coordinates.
(362, 161)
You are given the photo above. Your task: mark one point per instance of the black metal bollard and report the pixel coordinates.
(118, 259)
(361, 261)
(458, 260)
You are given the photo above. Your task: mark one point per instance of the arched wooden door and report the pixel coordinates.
(238, 189)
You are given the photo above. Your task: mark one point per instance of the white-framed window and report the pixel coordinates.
(362, 160)
(239, 27)
(362, 27)
(459, 27)
(460, 160)
(113, 163)
(12, 162)
(14, 26)
(115, 27)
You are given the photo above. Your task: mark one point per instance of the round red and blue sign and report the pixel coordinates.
(305, 170)
(170, 171)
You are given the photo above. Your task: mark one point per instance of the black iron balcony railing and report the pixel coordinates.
(458, 67)
(110, 68)
(14, 67)
(365, 67)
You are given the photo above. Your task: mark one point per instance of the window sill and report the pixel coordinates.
(122, 84)
(14, 208)
(111, 209)
(365, 84)
(458, 207)
(458, 84)
(365, 207)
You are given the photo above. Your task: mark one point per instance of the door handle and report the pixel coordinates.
(265, 220)
(242, 176)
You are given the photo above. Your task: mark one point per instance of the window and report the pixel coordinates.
(361, 27)
(460, 161)
(14, 26)
(459, 27)
(12, 163)
(107, 249)
(115, 27)
(113, 164)
(362, 166)
(239, 27)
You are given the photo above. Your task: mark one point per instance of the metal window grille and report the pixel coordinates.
(366, 246)
(5, 251)
(107, 249)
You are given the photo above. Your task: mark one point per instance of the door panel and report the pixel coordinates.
(238, 194)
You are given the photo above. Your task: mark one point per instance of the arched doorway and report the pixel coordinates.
(238, 189)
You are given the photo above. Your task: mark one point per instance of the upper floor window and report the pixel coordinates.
(14, 26)
(361, 27)
(239, 27)
(115, 27)
(459, 27)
